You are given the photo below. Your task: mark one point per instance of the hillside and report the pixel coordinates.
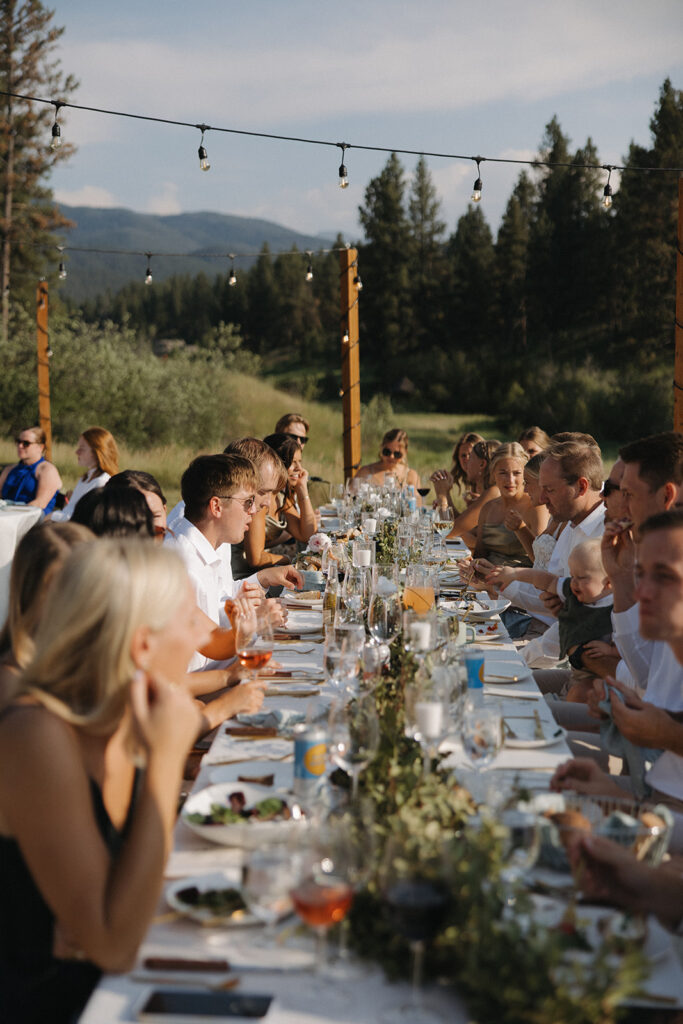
(91, 274)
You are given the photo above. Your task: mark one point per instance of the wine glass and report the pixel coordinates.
(322, 894)
(354, 594)
(353, 731)
(341, 660)
(254, 642)
(482, 734)
(521, 844)
(417, 898)
(266, 882)
(426, 713)
(384, 612)
(443, 520)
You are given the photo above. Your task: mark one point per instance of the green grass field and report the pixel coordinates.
(254, 408)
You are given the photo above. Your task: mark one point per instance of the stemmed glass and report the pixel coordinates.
(322, 894)
(443, 520)
(341, 659)
(354, 594)
(353, 732)
(267, 879)
(384, 612)
(254, 642)
(482, 734)
(426, 713)
(521, 844)
(417, 897)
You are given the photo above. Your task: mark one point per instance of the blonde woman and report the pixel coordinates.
(497, 541)
(393, 459)
(84, 828)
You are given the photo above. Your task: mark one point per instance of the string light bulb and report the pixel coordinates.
(204, 164)
(232, 280)
(148, 272)
(309, 268)
(62, 267)
(56, 139)
(62, 271)
(478, 186)
(358, 283)
(343, 173)
(607, 191)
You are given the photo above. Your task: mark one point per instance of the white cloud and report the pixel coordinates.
(166, 201)
(88, 195)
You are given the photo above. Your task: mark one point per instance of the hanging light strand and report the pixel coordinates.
(607, 191)
(339, 145)
(477, 187)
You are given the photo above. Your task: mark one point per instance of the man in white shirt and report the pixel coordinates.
(219, 495)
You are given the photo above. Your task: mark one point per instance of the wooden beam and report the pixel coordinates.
(678, 359)
(350, 361)
(43, 345)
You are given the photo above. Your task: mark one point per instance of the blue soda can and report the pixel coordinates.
(310, 759)
(474, 663)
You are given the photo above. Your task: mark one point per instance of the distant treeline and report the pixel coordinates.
(566, 318)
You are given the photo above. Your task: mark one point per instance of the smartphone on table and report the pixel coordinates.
(198, 1006)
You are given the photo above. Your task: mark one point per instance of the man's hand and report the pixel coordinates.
(582, 775)
(619, 558)
(500, 576)
(281, 576)
(594, 698)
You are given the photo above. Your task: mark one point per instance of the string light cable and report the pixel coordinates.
(343, 174)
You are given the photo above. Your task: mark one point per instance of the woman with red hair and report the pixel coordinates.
(98, 455)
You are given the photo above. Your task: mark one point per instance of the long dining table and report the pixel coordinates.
(285, 970)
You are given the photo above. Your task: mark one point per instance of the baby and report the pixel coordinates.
(586, 615)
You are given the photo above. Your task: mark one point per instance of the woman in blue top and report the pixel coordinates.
(33, 480)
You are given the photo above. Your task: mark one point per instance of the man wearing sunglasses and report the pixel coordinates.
(295, 426)
(219, 492)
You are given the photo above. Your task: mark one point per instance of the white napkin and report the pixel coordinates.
(227, 749)
(508, 691)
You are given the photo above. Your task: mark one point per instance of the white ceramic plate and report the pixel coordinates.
(500, 672)
(216, 880)
(246, 834)
(292, 600)
(593, 922)
(282, 772)
(525, 729)
(489, 631)
(489, 608)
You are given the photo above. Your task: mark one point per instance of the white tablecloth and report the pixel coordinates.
(15, 521)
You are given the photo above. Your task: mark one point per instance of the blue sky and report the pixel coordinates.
(442, 75)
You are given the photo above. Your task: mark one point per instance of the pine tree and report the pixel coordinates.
(512, 263)
(28, 215)
(427, 258)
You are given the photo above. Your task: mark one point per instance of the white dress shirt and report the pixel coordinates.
(82, 487)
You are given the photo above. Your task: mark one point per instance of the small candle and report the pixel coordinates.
(369, 525)
(362, 558)
(420, 634)
(429, 717)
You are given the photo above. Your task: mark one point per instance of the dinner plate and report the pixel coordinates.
(282, 772)
(525, 729)
(489, 631)
(216, 880)
(594, 922)
(501, 672)
(246, 834)
(293, 600)
(488, 608)
(301, 620)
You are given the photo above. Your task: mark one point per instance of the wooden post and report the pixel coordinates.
(43, 367)
(350, 393)
(678, 359)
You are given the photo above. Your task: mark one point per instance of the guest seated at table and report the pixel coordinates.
(115, 512)
(291, 510)
(293, 425)
(39, 556)
(97, 453)
(151, 491)
(393, 460)
(32, 480)
(478, 475)
(265, 531)
(457, 475)
(608, 873)
(502, 518)
(85, 831)
(534, 440)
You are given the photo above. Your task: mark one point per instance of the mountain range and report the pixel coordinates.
(186, 234)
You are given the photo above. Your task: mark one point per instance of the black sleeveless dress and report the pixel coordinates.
(35, 986)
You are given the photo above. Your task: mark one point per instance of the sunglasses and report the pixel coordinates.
(391, 453)
(295, 437)
(247, 503)
(22, 443)
(609, 488)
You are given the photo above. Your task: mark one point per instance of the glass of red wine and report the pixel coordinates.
(417, 898)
